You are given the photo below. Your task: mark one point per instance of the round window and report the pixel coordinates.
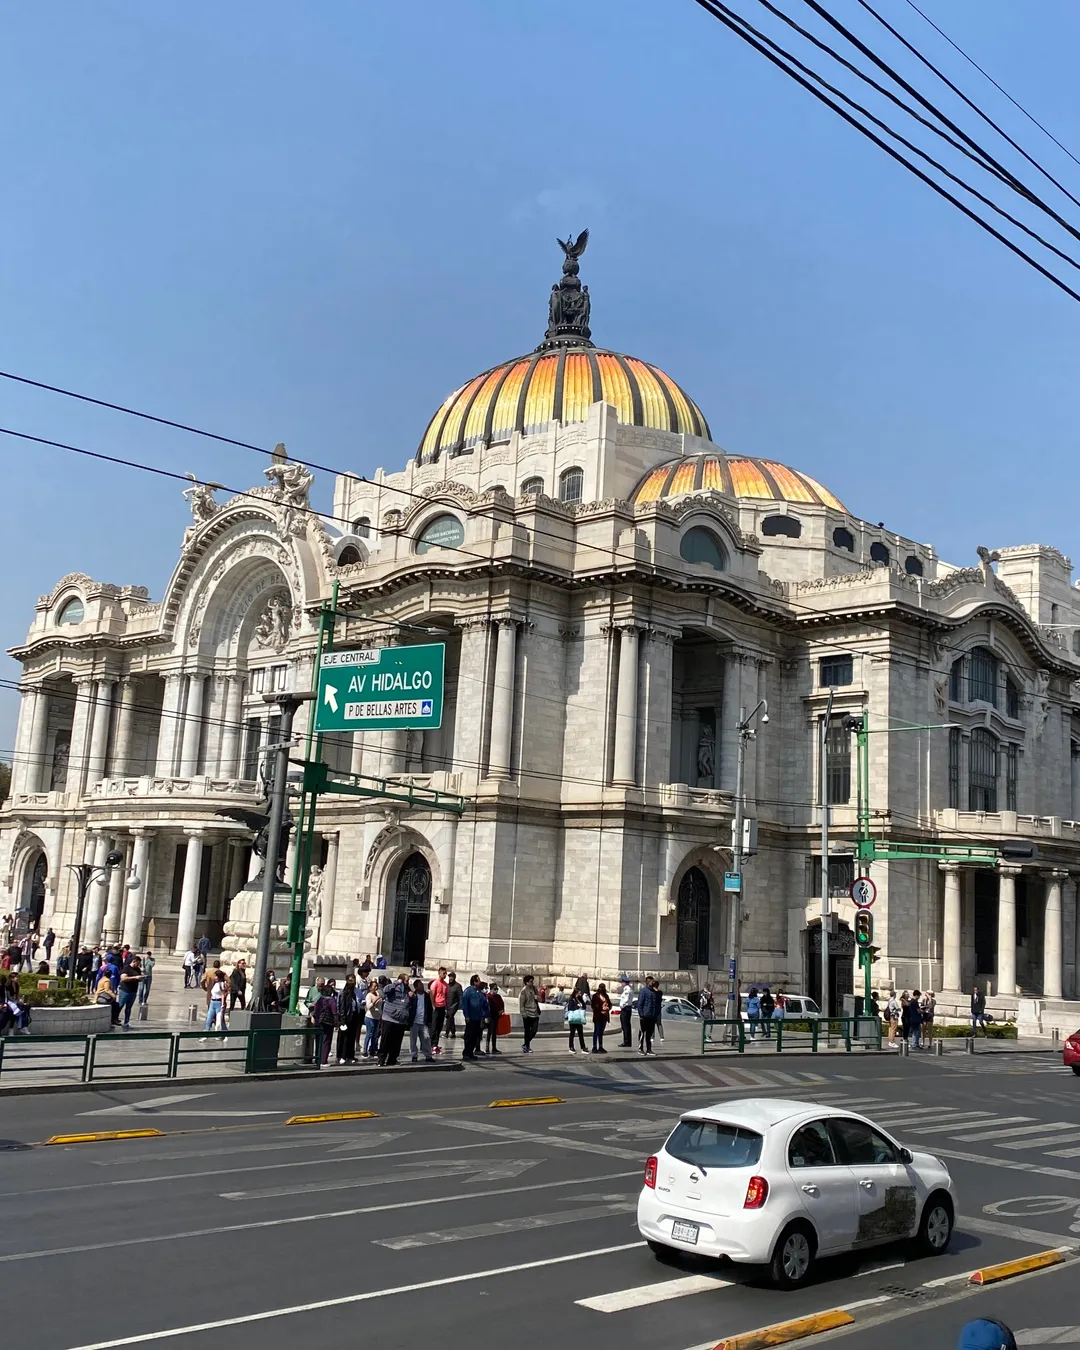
(72, 612)
(442, 532)
(700, 545)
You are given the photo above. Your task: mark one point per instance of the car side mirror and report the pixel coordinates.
(906, 1155)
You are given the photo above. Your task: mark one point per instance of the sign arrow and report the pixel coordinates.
(330, 697)
(492, 1170)
(164, 1106)
(620, 1205)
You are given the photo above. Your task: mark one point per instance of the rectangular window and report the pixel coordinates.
(252, 741)
(179, 862)
(841, 875)
(983, 772)
(1012, 700)
(954, 768)
(279, 678)
(1012, 765)
(836, 670)
(257, 682)
(956, 681)
(838, 778)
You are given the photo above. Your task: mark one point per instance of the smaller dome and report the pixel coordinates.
(750, 479)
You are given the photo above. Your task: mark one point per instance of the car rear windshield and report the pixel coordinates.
(710, 1143)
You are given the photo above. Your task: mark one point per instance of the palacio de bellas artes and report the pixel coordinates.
(615, 592)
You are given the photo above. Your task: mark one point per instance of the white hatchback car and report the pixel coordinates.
(779, 1183)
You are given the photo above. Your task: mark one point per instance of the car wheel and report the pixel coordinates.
(935, 1226)
(668, 1255)
(1076, 1069)
(792, 1257)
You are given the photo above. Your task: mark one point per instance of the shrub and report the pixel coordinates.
(58, 995)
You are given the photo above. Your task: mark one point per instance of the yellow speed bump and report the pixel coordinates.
(1004, 1271)
(331, 1115)
(782, 1332)
(103, 1135)
(526, 1101)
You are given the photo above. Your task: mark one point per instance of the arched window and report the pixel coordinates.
(571, 485)
(532, 487)
(983, 677)
(913, 566)
(843, 539)
(879, 554)
(786, 525)
(982, 775)
(362, 527)
(349, 554)
(443, 532)
(72, 612)
(700, 545)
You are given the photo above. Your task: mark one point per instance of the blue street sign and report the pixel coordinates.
(732, 881)
(731, 969)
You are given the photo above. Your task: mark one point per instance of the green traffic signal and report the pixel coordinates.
(864, 928)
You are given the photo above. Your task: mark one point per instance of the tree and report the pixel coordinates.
(5, 779)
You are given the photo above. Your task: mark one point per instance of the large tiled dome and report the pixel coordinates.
(753, 479)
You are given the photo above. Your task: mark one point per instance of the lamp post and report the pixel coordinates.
(746, 733)
(824, 1000)
(85, 875)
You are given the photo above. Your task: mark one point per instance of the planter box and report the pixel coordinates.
(92, 1020)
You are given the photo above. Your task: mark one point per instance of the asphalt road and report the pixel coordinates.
(441, 1218)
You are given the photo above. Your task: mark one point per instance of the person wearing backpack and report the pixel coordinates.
(649, 1002)
(767, 1004)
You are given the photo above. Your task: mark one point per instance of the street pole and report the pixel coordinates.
(288, 703)
(825, 1008)
(746, 733)
(85, 874)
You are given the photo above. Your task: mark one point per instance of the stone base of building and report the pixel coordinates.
(241, 937)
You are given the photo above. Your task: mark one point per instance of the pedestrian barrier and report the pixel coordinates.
(106, 1058)
(794, 1034)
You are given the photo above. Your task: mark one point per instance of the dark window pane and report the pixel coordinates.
(844, 539)
(913, 566)
(700, 545)
(858, 1144)
(982, 677)
(836, 670)
(879, 554)
(838, 777)
(956, 681)
(954, 768)
(532, 487)
(983, 771)
(786, 525)
(708, 1143)
(1012, 700)
(571, 485)
(1012, 758)
(811, 1147)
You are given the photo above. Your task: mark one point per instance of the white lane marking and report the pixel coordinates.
(1011, 1164)
(314, 1218)
(150, 1104)
(943, 1280)
(366, 1297)
(551, 1140)
(1048, 1336)
(644, 1294)
(866, 1303)
(494, 1170)
(1035, 1236)
(962, 1120)
(956, 1125)
(1070, 1138)
(1050, 1127)
(306, 1142)
(1063, 1153)
(502, 1226)
(878, 1267)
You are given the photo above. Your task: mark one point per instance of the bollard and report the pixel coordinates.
(905, 1047)
(939, 1047)
(971, 1045)
(193, 1012)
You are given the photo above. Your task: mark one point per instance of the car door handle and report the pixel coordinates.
(810, 1190)
(867, 1185)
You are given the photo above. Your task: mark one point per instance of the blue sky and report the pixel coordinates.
(310, 222)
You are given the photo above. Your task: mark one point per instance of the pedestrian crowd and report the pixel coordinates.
(911, 1017)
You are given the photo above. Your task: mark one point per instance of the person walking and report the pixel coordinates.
(496, 1007)
(203, 947)
(190, 962)
(767, 1005)
(892, 1016)
(581, 986)
(26, 952)
(753, 1011)
(648, 1006)
(395, 1019)
(437, 990)
(454, 995)
(421, 1013)
(529, 1007)
(601, 1015)
(474, 1008)
(927, 1008)
(215, 1000)
(349, 1016)
(372, 1020)
(659, 1010)
(128, 989)
(575, 1020)
(48, 943)
(978, 1010)
(626, 1013)
(909, 1013)
(238, 985)
(324, 1017)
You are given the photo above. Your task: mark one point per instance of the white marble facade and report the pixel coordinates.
(594, 679)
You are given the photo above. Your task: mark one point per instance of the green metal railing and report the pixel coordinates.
(88, 1059)
(796, 1032)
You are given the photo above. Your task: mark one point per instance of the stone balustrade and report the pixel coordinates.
(158, 786)
(997, 823)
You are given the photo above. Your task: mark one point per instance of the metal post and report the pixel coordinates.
(83, 874)
(734, 1009)
(288, 704)
(825, 1006)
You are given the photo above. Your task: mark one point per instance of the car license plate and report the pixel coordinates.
(682, 1231)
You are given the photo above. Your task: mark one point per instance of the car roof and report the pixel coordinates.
(759, 1113)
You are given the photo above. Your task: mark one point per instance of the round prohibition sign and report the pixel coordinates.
(863, 892)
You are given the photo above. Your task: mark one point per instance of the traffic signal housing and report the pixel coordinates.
(864, 928)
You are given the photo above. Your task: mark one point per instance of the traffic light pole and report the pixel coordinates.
(824, 795)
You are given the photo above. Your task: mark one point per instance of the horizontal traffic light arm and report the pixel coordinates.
(882, 850)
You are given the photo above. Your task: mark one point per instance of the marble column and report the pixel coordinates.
(951, 975)
(189, 894)
(626, 709)
(502, 699)
(254, 863)
(169, 728)
(136, 899)
(1006, 956)
(99, 732)
(1072, 899)
(193, 726)
(35, 777)
(80, 734)
(114, 911)
(731, 701)
(95, 900)
(1053, 947)
(229, 759)
(356, 753)
(125, 728)
(329, 885)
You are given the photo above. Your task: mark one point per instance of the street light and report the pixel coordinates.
(746, 733)
(85, 875)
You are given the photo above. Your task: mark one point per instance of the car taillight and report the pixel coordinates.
(756, 1193)
(650, 1174)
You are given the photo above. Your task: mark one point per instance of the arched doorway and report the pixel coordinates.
(412, 911)
(692, 919)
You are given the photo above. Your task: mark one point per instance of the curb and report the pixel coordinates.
(1005, 1270)
(782, 1332)
(332, 1115)
(101, 1136)
(526, 1101)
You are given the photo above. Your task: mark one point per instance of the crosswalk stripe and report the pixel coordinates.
(645, 1294)
(971, 1125)
(1056, 1125)
(1064, 1153)
(942, 1114)
(1043, 1143)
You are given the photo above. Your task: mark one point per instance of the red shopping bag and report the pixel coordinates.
(504, 1024)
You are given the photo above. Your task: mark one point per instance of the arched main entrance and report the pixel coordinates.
(412, 911)
(692, 919)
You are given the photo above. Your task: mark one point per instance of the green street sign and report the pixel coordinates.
(381, 689)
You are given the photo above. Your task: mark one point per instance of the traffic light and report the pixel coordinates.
(1018, 850)
(864, 928)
